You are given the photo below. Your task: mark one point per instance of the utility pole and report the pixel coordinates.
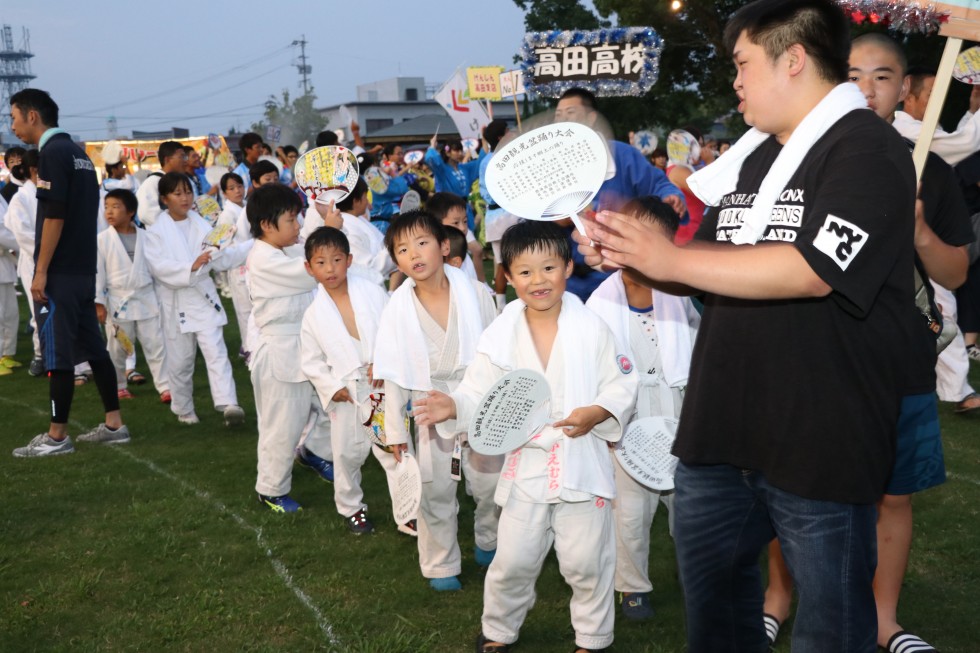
(303, 68)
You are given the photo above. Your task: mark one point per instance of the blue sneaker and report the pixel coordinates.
(307, 458)
(636, 606)
(484, 557)
(450, 584)
(282, 504)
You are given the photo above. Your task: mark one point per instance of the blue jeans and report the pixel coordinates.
(725, 516)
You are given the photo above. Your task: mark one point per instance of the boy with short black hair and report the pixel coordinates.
(281, 291)
(371, 259)
(457, 247)
(593, 389)
(250, 145)
(263, 172)
(124, 299)
(338, 336)
(450, 209)
(426, 337)
(656, 330)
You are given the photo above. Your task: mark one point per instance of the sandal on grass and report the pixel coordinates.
(82, 379)
(969, 403)
(905, 642)
(485, 646)
(134, 377)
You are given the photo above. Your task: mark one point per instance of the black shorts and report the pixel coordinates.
(67, 324)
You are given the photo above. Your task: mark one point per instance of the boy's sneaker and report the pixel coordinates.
(973, 353)
(450, 584)
(36, 368)
(102, 434)
(410, 528)
(44, 445)
(359, 524)
(165, 397)
(190, 419)
(124, 393)
(5, 371)
(234, 415)
(10, 363)
(484, 557)
(282, 504)
(307, 458)
(636, 605)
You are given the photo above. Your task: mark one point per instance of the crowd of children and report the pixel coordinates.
(308, 284)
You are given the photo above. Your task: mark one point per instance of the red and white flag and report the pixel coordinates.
(469, 116)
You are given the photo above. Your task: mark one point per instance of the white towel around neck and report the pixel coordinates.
(401, 355)
(670, 319)
(714, 181)
(368, 301)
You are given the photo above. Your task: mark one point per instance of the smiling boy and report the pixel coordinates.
(593, 389)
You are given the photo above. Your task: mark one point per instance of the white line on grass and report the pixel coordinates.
(961, 477)
(280, 568)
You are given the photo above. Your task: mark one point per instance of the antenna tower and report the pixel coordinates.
(15, 70)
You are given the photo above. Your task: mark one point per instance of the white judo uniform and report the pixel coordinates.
(125, 287)
(191, 310)
(281, 291)
(334, 360)
(233, 215)
(659, 341)
(555, 489)
(20, 219)
(367, 245)
(9, 312)
(415, 355)
(148, 196)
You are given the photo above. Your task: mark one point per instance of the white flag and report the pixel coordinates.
(469, 116)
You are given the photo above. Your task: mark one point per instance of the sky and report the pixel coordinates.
(210, 65)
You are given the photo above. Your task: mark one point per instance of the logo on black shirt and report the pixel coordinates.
(840, 240)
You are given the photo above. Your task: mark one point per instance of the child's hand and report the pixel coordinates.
(398, 450)
(582, 420)
(341, 396)
(100, 313)
(434, 409)
(374, 383)
(330, 214)
(201, 261)
(434, 141)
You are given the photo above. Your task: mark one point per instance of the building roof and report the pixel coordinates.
(421, 128)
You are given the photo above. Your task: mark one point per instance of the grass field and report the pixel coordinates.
(159, 545)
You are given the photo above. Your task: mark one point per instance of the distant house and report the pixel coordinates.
(399, 110)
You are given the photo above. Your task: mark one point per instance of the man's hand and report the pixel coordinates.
(582, 420)
(100, 312)
(38, 285)
(330, 214)
(975, 99)
(624, 241)
(341, 396)
(373, 382)
(434, 409)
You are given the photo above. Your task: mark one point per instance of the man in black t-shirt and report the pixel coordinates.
(788, 423)
(63, 288)
(942, 229)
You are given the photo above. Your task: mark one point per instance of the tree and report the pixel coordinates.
(299, 120)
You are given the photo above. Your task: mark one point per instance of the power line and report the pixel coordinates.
(246, 64)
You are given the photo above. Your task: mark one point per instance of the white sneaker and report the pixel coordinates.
(104, 435)
(44, 445)
(189, 419)
(233, 415)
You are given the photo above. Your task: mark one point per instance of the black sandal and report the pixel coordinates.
(484, 646)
